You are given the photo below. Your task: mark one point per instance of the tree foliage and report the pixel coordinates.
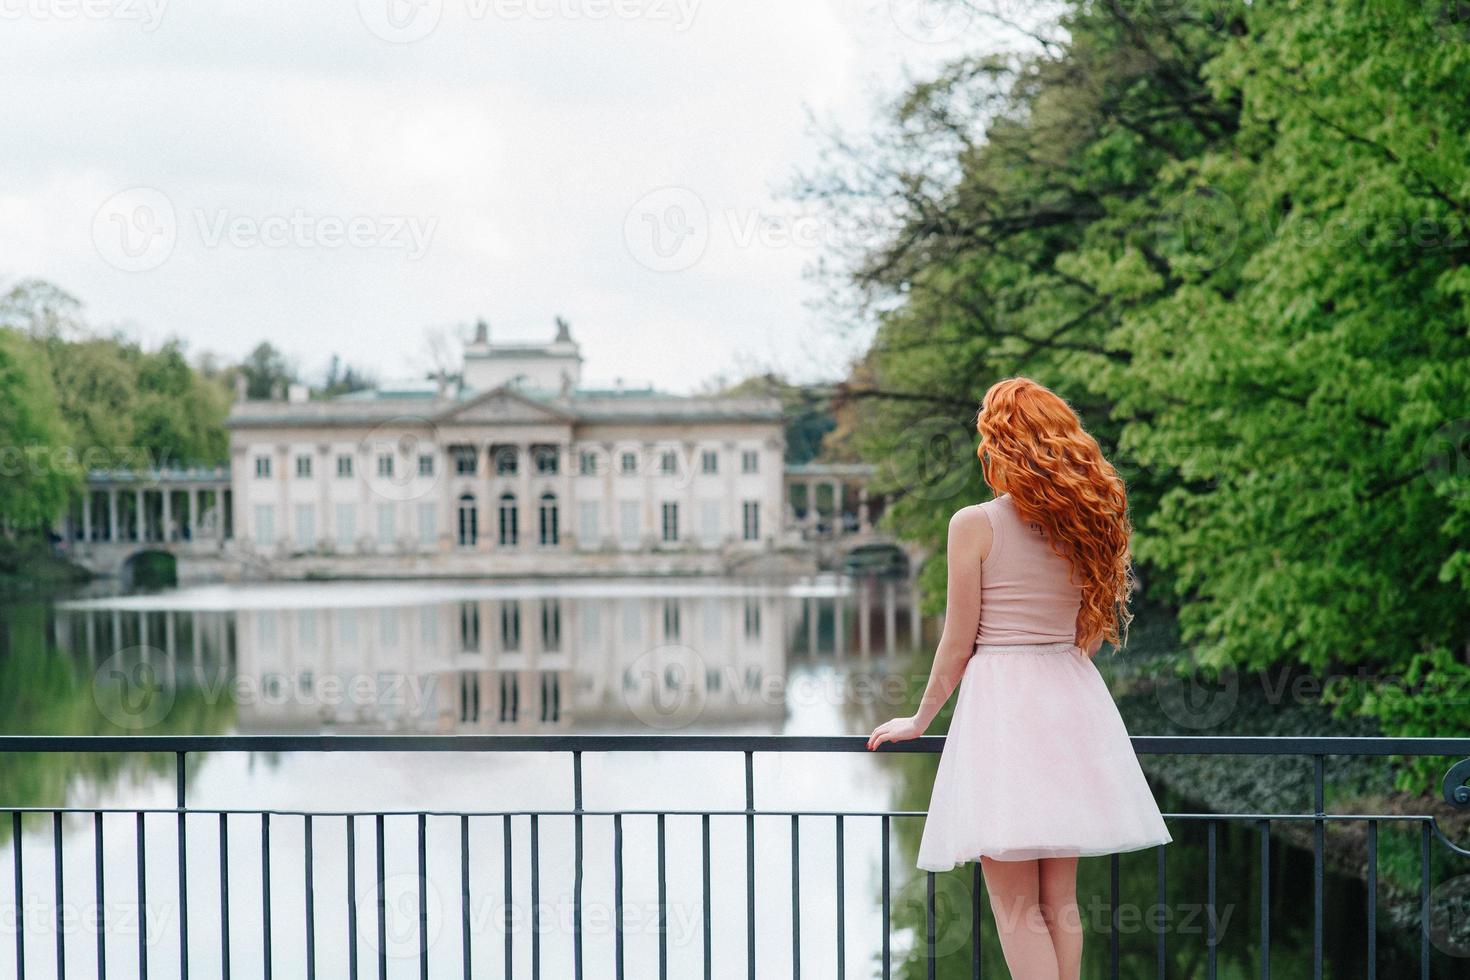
(1234, 236)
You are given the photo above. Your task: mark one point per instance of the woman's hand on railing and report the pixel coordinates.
(896, 730)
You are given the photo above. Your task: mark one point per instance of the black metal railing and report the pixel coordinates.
(1455, 790)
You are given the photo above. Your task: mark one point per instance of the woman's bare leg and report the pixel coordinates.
(1058, 901)
(1014, 888)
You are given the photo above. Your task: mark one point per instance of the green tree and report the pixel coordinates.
(37, 478)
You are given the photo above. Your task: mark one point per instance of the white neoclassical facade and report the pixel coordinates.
(516, 469)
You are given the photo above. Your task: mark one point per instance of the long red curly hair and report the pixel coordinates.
(1057, 477)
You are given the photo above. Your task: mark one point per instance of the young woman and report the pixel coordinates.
(1037, 769)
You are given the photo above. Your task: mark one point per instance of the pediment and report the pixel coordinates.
(502, 406)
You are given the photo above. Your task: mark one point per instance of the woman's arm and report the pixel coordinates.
(969, 543)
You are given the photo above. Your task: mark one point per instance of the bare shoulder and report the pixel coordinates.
(970, 530)
(970, 520)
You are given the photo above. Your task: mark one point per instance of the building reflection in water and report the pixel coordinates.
(433, 658)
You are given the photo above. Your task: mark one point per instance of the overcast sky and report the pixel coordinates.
(345, 175)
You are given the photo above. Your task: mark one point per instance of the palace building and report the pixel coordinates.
(515, 468)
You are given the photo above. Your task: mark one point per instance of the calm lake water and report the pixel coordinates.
(819, 656)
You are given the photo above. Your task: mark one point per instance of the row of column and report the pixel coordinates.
(204, 518)
(808, 520)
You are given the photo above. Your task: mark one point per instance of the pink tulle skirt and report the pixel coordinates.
(1037, 764)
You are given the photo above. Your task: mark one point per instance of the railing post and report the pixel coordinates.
(179, 761)
(577, 868)
(750, 863)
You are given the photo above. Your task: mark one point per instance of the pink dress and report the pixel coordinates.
(1037, 763)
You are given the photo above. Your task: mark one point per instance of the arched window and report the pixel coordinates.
(509, 523)
(549, 534)
(469, 524)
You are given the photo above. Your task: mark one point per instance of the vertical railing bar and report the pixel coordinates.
(265, 891)
(750, 863)
(618, 896)
(887, 901)
(464, 892)
(841, 903)
(1265, 900)
(101, 903)
(1424, 856)
(709, 931)
(929, 925)
(1372, 886)
(142, 896)
(1319, 833)
(976, 920)
(179, 768)
(224, 896)
(423, 823)
(1114, 911)
(509, 897)
(310, 902)
(1162, 904)
(382, 901)
(663, 903)
(20, 903)
(60, 896)
(1211, 938)
(795, 897)
(351, 897)
(535, 918)
(577, 868)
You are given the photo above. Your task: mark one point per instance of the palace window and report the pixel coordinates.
(385, 464)
(587, 463)
(469, 627)
(263, 467)
(426, 464)
(344, 465)
(510, 626)
(629, 464)
(750, 461)
(346, 526)
(464, 460)
(509, 521)
(550, 625)
(671, 521)
(469, 525)
(303, 467)
(709, 461)
(503, 459)
(750, 523)
(510, 697)
(547, 459)
(549, 532)
(668, 463)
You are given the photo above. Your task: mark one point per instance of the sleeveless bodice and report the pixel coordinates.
(1026, 590)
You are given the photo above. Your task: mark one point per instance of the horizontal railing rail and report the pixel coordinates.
(528, 871)
(1142, 744)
